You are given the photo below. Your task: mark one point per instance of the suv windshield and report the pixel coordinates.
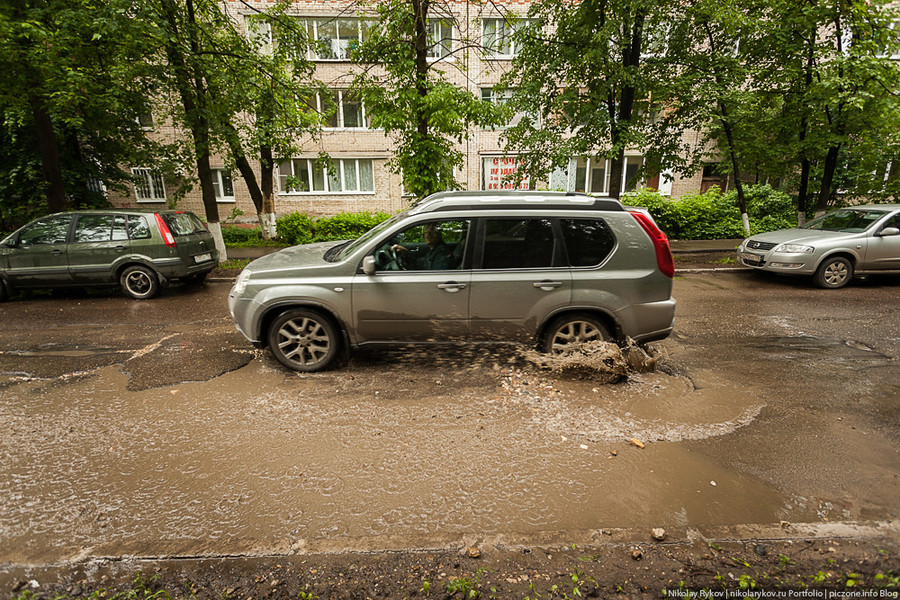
(347, 249)
(846, 220)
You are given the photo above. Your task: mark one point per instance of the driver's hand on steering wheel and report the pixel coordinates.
(398, 248)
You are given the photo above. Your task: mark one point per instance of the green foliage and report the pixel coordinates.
(714, 215)
(246, 237)
(347, 226)
(295, 228)
(299, 228)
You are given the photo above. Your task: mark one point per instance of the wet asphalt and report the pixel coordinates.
(153, 428)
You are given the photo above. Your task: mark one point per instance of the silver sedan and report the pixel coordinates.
(861, 240)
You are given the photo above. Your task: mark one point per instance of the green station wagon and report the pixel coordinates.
(140, 251)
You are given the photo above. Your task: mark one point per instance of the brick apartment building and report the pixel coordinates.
(360, 154)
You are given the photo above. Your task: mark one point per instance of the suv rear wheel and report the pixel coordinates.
(303, 340)
(139, 282)
(568, 331)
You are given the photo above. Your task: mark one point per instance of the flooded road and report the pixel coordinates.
(154, 429)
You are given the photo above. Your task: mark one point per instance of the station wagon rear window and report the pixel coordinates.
(183, 223)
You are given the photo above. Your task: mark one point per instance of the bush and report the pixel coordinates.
(714, 215)
(300, 228)
(347, 226)
(295, 228)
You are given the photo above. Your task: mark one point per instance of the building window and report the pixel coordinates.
(497, 36)
(440, 38)
(592, 175)
(499, 172)
(345, 111)
(336, 38)
(148, 185)
(502, 97)
(145, 120)
(339, 176)
(223, 185)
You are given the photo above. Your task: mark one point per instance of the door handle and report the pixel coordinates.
(56, 252)
(451, 286)
(547, 285)
(120, 248)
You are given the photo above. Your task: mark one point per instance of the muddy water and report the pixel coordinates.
(260, 460)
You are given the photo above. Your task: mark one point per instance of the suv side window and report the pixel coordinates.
(138, 229)
(518, 244)
(588, 241)
(431, 246)
(54, 230)
(93, 228)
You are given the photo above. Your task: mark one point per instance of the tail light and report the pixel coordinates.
(165, 231)
(660, 242)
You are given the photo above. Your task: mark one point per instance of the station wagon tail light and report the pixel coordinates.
(660, 242)
(164, 231)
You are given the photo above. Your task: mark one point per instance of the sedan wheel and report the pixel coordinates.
(303, 340)
(139, 282)
(834, 273)
(569, 331)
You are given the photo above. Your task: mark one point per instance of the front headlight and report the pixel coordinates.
(241, 283)
(795, 249)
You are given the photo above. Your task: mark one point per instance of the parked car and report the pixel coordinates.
(856, 241)
(138, 250)
(551, 268)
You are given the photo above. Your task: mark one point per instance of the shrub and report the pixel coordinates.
(295, 228)
(714, 215)
(347, 226)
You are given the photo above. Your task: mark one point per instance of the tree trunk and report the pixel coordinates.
(831, 160)
(267, 182)
(49, 148)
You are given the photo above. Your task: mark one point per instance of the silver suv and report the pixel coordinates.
(553, 269)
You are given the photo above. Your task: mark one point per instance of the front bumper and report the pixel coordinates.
(779, 262)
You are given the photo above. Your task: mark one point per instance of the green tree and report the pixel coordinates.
(408, 94)
(593, 74)
(74, 88)
(827, 63)
(264, 87)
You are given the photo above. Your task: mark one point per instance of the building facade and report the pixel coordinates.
(361, 179)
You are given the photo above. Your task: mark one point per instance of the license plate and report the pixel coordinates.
(203, 257)
(752, 258)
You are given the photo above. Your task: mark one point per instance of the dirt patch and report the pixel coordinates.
(705, 260)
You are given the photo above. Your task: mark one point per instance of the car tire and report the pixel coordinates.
(834, 272)
(304, 340)
(139, 282)
(569, 330)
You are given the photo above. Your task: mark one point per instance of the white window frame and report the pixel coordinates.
(440, 39)
(219, 186)
(503, 96)
(342, 168)
(339, 49)
(504, 29)
(152, 182)
(606, 174)
(320, 106)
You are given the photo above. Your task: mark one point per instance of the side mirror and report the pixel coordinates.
(368, 265)
(889, 231)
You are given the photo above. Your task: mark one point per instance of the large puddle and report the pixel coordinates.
(261, 460)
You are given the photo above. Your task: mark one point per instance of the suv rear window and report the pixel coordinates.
(588, 241)
(183, 223)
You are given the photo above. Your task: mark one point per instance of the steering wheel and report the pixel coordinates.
(401, 259)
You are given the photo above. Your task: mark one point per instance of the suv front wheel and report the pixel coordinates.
(303, 340)
(567, 332)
